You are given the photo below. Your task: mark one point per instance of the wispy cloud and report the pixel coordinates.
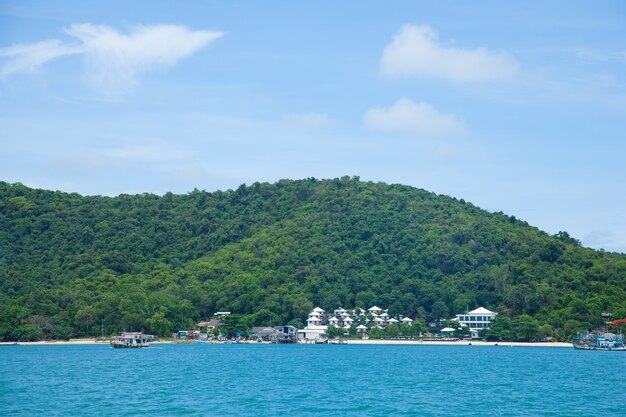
(416, 51)
(114, 60)
(156, 151)
(408, 117)
(22, 58)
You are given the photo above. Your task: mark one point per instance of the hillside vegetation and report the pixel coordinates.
(74, 265)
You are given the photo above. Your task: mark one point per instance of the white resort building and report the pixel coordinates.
(362, 321)
(312, 333)
(476, 320)
(318, 322)
(315, 326)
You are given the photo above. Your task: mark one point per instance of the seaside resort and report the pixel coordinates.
(374, 317)
(354, 323)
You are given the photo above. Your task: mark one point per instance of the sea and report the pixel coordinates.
(310, 380)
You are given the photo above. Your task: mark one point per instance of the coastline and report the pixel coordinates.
(349, 342)
(75, 342)
(460, 343)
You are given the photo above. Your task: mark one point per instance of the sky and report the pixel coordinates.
(516, 107)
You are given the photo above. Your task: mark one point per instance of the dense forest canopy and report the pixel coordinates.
(73, 265)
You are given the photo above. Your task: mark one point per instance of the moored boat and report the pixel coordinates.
(599, 340)
(132, 340)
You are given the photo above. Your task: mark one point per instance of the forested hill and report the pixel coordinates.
(71, 265)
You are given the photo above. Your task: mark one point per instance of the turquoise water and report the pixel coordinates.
(294, 380)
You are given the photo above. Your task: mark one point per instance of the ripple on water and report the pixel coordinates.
(277, 380)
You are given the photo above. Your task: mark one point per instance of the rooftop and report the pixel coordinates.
(481, 310)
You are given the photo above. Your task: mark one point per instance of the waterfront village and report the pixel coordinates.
(324, 327)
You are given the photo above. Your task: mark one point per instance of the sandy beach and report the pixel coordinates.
(350, 342)
(59, 342)
(80, 342)
(459, 343)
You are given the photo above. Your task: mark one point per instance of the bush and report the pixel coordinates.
(28, 333)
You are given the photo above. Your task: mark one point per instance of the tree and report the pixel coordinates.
(500, 329)
(393, 330)
(44, 323)
(419, 326)
(132, 322)
(72, 261)
(85, 318)
(408, 330)
(524, 328)
(375, 333)
(439, 310)
(571, 327)
(159, 325)
(264, 317)
(461, 332)
(546, 331)
(297, 323)
(28, 332)
(233, 324)
(334, 332)
(61, 332)
(353, 333)
(11, 317)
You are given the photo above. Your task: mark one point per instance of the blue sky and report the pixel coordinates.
(516, 108)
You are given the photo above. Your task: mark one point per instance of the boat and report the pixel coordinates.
(599, 340)
(132, 340)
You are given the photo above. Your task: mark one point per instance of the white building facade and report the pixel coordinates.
(478, 319)
(357, 318)
(315, 328)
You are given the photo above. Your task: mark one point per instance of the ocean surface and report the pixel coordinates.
(297, 380)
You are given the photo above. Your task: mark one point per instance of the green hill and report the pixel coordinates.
(72, 265)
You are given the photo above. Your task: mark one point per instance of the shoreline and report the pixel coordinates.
(74, 342)
(460, 343)
(81, 342)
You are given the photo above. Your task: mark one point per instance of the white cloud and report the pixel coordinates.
(115, 59)
(157, 151)
(28, 58)
(408, 117)
(310, 120)
(416, 51)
